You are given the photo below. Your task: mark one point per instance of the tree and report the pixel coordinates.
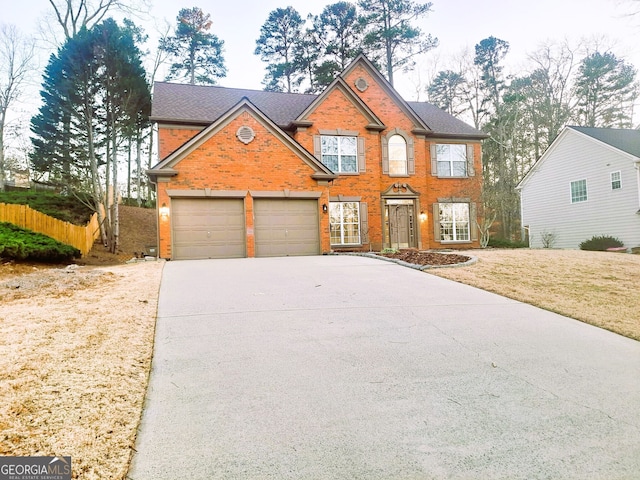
(391, 39)
(605, 91)
(340, 34)
(16, 56)
(197, 53)
(94, 97)
(279, 46)
(447, 92)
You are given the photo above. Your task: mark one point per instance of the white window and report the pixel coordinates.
(616, 180)
(579, 191)
(340, 154)
(452, 160)
(397, 155)
(344, 222)
(454, 222)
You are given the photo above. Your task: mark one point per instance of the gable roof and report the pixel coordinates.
(202, 105)
(627, 140)
(165, 168)
(339, 84)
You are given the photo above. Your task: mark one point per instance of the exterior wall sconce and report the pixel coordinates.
(164, 211)
(423, 217)
(325, 209)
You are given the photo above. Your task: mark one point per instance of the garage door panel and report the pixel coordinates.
(286, 227)
(208, 228)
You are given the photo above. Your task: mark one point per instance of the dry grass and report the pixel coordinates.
(599, 288)
(74, 364)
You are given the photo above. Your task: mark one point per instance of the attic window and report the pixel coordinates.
(245, 134)
(361, 84)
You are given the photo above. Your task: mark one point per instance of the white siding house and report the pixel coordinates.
(587, 183)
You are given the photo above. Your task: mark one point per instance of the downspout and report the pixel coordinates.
(637, 165)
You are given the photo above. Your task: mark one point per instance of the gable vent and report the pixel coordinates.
(361, 84)
(245, 134)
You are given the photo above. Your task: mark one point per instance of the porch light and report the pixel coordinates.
(164, 211)
(423, 217)
(324, 208)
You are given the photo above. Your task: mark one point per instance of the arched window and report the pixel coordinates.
(397, 155)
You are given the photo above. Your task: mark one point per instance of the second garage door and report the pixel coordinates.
(208, 228)
(285, 227)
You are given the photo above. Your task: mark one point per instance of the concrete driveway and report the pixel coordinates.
(342, 367)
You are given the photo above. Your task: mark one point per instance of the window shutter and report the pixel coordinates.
(317, 147)
(362, 159)
(473, 222)
(411, 164)
(385, 155)
(364, 223)
(471, 169)
(436, 222)
(434, 160)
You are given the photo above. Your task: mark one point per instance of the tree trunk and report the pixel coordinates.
(2, 174)
(138, 166)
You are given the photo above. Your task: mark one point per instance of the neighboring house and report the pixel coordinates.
(249, 173)
(587, 183)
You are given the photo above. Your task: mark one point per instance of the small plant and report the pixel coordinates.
(601, 243)
(389, 250)
(548, 239)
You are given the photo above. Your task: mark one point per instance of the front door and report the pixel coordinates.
(400, 224)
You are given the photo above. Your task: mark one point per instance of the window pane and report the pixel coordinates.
(459, 169)
(331, 162)
(349, 164)
(458, 153)
(444, 169)
(348, 145)
(329, 145)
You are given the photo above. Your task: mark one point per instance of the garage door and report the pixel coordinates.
(208, 228)
(286, 227)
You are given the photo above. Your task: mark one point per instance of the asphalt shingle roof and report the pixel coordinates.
(627, 140)
(198, 104)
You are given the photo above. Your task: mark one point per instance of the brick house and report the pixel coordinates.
(248, 173)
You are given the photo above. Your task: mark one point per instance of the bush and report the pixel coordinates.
(502, 243)
(19, 244)
(601, 243)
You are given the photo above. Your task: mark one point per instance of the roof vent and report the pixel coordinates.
(361, 84)
(245, 134)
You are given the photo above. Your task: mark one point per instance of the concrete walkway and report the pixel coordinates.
(346, 367)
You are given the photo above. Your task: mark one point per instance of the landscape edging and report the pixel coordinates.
(415, 266)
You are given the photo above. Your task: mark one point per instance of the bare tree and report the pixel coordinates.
(16, 62)
(72, 15)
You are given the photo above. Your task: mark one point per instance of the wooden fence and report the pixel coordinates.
(77, 236)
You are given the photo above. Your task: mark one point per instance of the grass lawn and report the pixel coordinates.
(600, 288)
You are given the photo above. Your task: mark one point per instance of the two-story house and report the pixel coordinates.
(587, 183)
(249, 173)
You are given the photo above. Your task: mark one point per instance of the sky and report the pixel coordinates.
(458, 24)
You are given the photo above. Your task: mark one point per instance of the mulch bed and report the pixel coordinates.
(426, 258)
